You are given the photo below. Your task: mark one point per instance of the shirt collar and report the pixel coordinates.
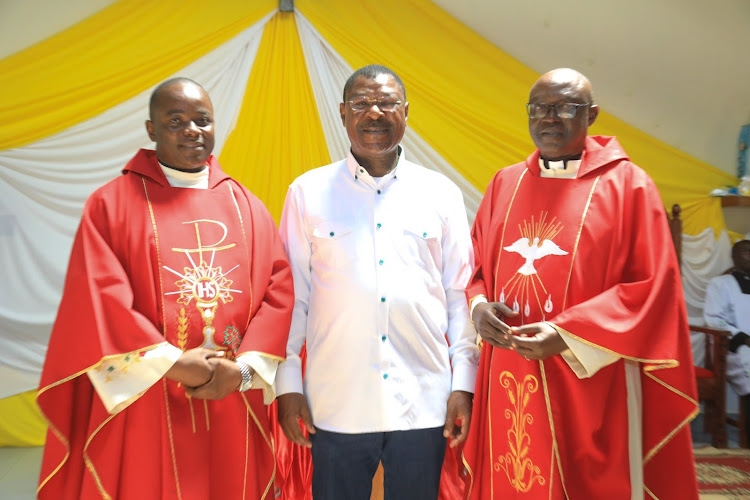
(358, 172)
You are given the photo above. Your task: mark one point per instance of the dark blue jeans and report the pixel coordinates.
(344, 464)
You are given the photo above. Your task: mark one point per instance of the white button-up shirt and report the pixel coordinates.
(380, 266)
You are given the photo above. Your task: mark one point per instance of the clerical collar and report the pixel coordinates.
(560, 164)
(743, 280)
(180, 179)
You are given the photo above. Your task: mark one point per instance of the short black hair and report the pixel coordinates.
(736, 247)
(165, 84)
(372, 71)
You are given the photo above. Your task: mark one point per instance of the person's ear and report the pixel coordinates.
(342, 110)
(593, 113)
(150, 130)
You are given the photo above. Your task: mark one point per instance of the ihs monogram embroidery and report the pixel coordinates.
(207, 285)
(534, 244)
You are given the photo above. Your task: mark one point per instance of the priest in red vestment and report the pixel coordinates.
(585, 387)
(174, 317)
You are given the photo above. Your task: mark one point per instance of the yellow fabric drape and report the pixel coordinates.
(467, 97)
(278, 134)
(110, 57)
(22, 423)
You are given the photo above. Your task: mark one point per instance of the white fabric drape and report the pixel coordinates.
(43, 187)
(703, 257)
(328, 73)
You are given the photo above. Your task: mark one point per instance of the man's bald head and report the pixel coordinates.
(167, 84)
(558, 138)
(566, 78)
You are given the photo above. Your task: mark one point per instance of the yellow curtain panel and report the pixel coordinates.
(278, 134)
(110, 57)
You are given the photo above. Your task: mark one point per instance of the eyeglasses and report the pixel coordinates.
(565, 110)
(362, 104)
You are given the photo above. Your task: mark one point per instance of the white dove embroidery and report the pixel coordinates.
(533, 251)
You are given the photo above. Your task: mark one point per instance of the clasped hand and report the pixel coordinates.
(535, 341)
(205, 374)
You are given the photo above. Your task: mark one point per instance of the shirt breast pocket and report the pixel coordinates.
(333, 244)
(421, 244)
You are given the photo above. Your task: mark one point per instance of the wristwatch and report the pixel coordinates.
(247, 376)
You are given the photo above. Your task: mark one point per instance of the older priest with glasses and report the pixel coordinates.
(381, 253)
(585, 385)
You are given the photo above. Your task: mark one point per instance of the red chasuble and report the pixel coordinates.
(593, 256)
(197, 268)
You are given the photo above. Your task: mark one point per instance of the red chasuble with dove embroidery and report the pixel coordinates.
(197, 268)
(593, 256)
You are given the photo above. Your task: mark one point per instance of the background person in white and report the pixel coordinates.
(728, 308)
(380, 253)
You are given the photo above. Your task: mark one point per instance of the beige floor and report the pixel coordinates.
(19, 472)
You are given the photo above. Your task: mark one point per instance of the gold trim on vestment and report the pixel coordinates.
(555, 448)
(578, 239)
(62, 439)
(171, 437)
(268, 442)
(55, 431)
(90, 464)
(502, 237)
(158, 259)
(263, 355)
(247, 252)
(247, 453)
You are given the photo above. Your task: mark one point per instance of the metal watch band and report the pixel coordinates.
(247, 376)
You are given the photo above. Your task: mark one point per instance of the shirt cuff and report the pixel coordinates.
(475, 301)
(289, 377)
(265, 373)
(584, 359)
(120, 380)
(464, 378)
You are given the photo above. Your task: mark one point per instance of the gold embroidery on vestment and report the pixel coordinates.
(518, 467)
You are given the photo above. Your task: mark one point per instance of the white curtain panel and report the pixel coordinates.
(703, 257)
(328, 73)
(43, 187)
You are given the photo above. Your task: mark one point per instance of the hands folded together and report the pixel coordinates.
(206, 373)
(535, 341)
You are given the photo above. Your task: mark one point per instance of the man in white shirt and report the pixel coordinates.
(380, 254)
(728, 308)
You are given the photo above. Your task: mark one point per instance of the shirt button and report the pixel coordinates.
(382, 338)
(424, 235)
(385, 376)
(331, 233)
(380, 262)
(382, 299)
(361, 170)
(378, 191)
(378, 225)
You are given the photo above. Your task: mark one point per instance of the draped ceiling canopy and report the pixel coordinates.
(74, 108)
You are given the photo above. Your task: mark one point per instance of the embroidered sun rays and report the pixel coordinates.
(535, 242)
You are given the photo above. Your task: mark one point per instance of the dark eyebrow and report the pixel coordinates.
(204, 112)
